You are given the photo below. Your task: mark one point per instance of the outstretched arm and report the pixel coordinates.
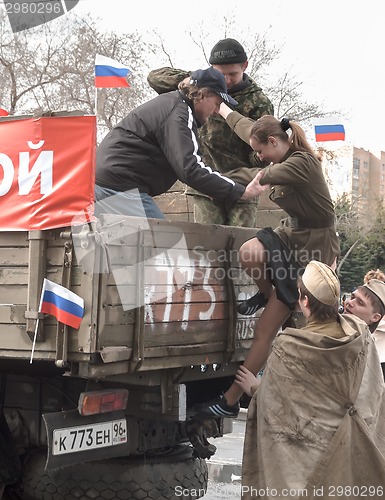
(166, 79)
(237, 122)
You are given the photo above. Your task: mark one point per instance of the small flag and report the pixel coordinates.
(329, 129)
(66, 306)
(110, 73)
(3, 112)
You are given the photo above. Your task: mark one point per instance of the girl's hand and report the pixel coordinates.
(224, 110)
(246, 380)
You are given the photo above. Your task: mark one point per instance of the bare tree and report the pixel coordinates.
(51, 68)
(284, 90)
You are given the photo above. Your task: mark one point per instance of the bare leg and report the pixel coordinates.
(252, 256)
(266, 329)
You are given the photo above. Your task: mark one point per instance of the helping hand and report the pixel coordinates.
(246, 380)
(254, 188)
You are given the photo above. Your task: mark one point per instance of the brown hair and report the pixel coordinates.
(268, 126)
(374, 274)
(319, 311)
(193, 92)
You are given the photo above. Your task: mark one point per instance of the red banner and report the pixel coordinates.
(47, 172)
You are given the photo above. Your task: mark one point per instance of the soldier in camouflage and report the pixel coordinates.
(222, 149)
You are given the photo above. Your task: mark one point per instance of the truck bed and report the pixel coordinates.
(158, 294)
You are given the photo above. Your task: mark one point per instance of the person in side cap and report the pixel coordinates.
(221, 148)
(367, 302)
(156, 144)
(316, 421)
(274, 258)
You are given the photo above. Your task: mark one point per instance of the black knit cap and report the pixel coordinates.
(227, 51)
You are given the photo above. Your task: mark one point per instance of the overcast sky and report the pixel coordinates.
(336, 47)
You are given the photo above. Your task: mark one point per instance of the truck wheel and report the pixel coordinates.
(165, 476)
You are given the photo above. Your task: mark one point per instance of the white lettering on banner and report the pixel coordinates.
(6, 183)
(43, 166)
(39, 145)
(27, 176)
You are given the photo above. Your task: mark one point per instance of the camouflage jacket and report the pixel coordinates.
(221, 148)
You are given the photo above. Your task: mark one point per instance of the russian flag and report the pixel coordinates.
(110, 73)
(66, 306)
(329, 129)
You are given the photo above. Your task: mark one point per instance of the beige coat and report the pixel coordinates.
(317, 422)
(379, 337)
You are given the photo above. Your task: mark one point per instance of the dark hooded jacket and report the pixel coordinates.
(155, 145)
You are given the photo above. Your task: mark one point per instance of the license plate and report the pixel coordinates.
(89, 437)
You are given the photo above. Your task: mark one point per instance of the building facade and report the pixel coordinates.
(358, 173)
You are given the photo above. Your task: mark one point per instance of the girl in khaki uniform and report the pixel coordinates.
(274, 259)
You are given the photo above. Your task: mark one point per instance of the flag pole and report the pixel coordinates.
(37, 324)
(34, 340)
(96, 102)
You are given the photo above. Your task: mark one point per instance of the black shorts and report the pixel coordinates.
(282, 267)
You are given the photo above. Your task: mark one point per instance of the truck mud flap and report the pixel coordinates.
(74, 439)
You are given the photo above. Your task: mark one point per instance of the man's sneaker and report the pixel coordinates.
(251, 305)
(217, 407)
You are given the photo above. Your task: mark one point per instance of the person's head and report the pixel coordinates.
(319, 291)
(374, 274)
(367, 302)
(229, 57)
(270, 139)
(206, 88)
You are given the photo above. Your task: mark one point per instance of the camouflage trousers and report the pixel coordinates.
(207, 211)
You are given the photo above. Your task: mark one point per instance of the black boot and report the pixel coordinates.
(251, 305)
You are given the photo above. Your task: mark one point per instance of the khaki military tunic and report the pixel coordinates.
(298, 186)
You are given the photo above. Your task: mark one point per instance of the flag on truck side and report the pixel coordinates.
(66, 306)
(329, 129)
(110, 73)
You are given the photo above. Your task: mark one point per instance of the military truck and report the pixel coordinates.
(105, 410)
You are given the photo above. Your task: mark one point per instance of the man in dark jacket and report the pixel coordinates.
(221, 148)
(156, 144)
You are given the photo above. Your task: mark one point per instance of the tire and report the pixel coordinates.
(168, 476)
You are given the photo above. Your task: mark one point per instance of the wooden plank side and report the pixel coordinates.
(19, 275)
(173, 203)
(14, 239)
(17, 293)
(165, 234)
(183, 313)
(10, 313)
(177, 333)
(185, 293)
(14, 257)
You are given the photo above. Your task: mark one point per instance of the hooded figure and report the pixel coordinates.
(315, 426)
